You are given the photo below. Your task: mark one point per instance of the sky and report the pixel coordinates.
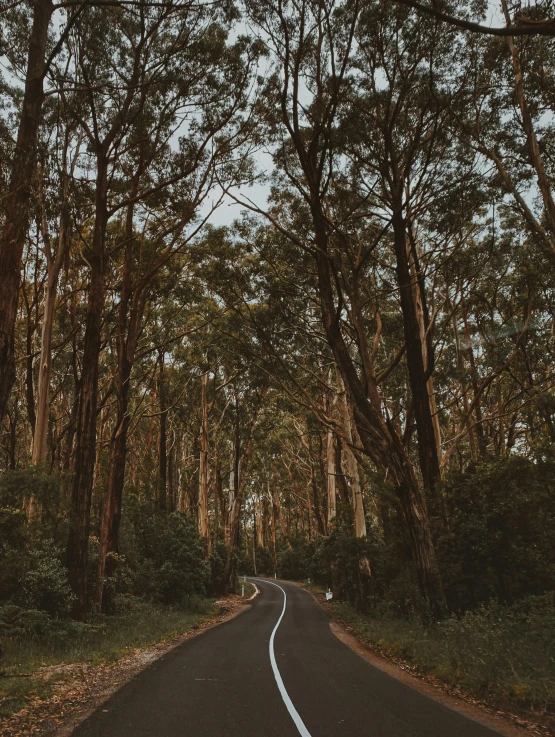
(259, 193)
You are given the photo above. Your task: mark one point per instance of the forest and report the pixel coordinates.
(277, 298)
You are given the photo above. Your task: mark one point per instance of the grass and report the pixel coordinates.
(249, 587)
(504, 656)
(102, 640)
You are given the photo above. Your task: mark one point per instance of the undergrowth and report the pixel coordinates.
(99, 641)
(502, 655)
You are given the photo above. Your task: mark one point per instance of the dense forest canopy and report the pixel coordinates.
(354, 380)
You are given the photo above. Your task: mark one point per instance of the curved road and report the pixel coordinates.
(277, 669)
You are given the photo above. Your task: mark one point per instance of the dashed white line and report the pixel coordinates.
(293, 713)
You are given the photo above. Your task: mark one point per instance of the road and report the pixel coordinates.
(275, 670)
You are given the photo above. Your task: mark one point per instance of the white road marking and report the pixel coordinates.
(293, 713)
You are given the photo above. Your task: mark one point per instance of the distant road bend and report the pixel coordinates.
(275, 670)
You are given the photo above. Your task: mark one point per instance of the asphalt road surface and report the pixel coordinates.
(275, 670)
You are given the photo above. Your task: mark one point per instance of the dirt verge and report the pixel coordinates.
(504, 722)
(80, 688)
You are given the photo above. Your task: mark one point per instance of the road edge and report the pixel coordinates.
(111, 679)
(477, 711)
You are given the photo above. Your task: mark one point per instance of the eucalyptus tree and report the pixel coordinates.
(157, 74)
(407, 170)
(312, 49)
(15, 203)
(205, 91)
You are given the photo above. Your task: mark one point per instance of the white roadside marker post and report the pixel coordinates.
(242, 589)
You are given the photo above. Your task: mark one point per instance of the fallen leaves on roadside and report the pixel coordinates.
(80, 688)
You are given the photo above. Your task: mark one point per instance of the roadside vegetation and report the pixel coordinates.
(347, 376)
(164, 588)
(28, 657)
(504, 656)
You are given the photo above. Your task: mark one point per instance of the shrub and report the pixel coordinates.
(170, 566)
(501, 538)
(44, 585)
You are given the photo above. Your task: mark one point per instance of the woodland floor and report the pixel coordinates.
(346, 626)
(77, 689)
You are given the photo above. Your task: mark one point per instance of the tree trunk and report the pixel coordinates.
(17, 200)
(331, 468)
(351, 463)
(85, 452)
(418, 371)
(259, 522)
(203, 467)
(379, 438)
(162, 438)
(54, 266)
(128, 331)
(235, 511)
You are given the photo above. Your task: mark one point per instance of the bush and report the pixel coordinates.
(169, 564)
(500, 545)
(505, 655)
(44, 585)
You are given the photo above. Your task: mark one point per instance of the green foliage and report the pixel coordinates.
(166, 562)
(34, 588)
(505, 655)
(17, 487)
(297, 560)
(44, 585)
(500, 540)
(102, 640)
(264, 562)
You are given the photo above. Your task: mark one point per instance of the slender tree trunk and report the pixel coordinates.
(85, 454)
(219, 503)
(259, 516)
(203, 467)
(29, 384)
(128, 331)
(321, 528)
(17, 200)
(351, 462)
(331, 468)
(54, 266)
(480, 433)
(418, 371)
(235, 511)
(162, 438)
(380, 440)
(272, 502)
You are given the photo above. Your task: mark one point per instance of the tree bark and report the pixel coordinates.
(419, 372)
(331, 467)
(259, 522)
(130, 312)
(162, 438)
(54, 266)
(85, 452)
(17, 199)
(236, 506)
(351, 463)
(203, 467)
(379, 438)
